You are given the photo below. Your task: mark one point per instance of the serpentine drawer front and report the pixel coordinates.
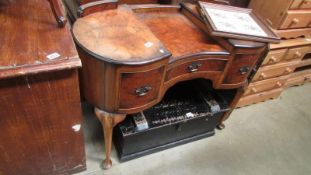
(201, 65)
(139, 88)
(240, 69)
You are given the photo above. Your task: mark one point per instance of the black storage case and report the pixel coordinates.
(185, 114)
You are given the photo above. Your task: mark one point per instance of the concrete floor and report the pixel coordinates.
(270, 138)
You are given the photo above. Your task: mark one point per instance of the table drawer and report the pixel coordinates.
(139, 88)
(196, 65)
(275, 70)
(266, 85)
(259, 97)
(274, 56)
(296, 19)
(301, 4)
(240, 69)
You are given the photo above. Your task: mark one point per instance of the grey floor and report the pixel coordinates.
(270, 138)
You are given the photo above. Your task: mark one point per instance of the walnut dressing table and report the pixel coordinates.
(132, 55)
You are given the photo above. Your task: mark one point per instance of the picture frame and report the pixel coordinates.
(235, 22)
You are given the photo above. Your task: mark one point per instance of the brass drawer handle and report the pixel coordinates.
(194, 67)
(244, 70)
(142, 91)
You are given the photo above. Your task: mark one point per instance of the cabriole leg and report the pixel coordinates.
(108, 121)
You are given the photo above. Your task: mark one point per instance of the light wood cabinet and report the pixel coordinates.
(300, 4)
(287, 64)
(283, 14)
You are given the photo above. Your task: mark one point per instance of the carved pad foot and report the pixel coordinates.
(221, 126)
(107, 163)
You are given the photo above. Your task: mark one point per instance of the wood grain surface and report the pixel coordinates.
(37, 116)
(127, 83)
(260, 97)
(180, 36)
(28, 34)
(118, 36)
(291, 43)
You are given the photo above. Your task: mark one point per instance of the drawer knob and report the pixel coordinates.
(194, 67)
(254, 90)
(244, 70)
(288, 70)
(297, 54)
(142, 91)
(272, 60)
(295, 20)
(262, 76)
(278, 84)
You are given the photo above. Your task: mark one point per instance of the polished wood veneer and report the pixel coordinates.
(132, 55)
(173, 28)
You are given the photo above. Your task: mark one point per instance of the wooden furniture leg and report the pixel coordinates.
(233, 104)
(108, 121)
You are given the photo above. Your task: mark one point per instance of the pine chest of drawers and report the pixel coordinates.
(287, 64)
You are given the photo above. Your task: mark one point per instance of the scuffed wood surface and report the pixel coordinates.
(28, 34)
(40, 121)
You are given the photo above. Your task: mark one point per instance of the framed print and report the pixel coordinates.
(234, 22)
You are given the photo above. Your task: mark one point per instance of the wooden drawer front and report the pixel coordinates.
(201, 65)
(265, 85)
(299, 78)
(275, 70)
(139, 89)
(274, 56)
(296, 19)
(297, 53)
(259, 97)
(307, 78)
(240, 69)
(301, 4)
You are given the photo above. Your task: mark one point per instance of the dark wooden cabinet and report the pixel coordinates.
(40, 111)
